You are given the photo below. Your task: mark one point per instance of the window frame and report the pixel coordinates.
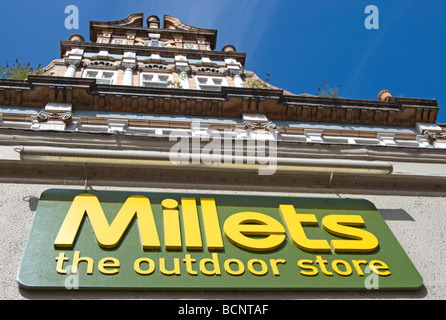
(161, 44)
(190, 46)
(119, 41)
(101, 73)
(155, 83)
(210, 84)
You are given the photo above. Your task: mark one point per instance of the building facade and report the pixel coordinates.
(151, 106)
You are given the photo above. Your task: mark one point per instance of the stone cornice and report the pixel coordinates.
(229, 102)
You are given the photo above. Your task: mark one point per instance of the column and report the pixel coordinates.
(128, 64)
(73, 64)
(128, 73)
(73, 60)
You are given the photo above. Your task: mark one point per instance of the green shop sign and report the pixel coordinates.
(127, 240)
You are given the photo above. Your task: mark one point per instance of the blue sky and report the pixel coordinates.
(299, 43)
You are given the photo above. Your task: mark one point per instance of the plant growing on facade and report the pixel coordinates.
(328, 92)
(174, 84)
(20, 72)
(254, 82)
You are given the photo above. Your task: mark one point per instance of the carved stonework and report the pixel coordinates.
(129, 65)
(433, 136)
(266, 125)
(44, 116)
(384, 95)
(182, 68)
(236, 72)
(74, 62)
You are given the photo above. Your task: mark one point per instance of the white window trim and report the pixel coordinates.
(118, 41)
(190, 46)
(161, 44)
(210, 83)
(155, 83)
(99, 75)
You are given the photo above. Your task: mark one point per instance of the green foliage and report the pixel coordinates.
(328, 92)
(254, 82)
(174, 84)
(20, 72)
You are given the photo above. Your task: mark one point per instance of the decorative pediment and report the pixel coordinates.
(133, 20)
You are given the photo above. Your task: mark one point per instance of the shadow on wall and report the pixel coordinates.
(32, 201)
(395, 214)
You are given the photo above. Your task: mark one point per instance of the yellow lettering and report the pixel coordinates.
(137, 266)
(172, 232)
(212, 229)
(321, 262)
(108, 236)
(303, 265)
(241, 267)
(188, 260)
(345, 226)
(274, 263)
(252, 231)
(294, 223)
(243, 224)
(264, 267)
(106, 263)
(377, 265)
(348, 270)
(357, 265)
(60, 260)
(191, 224)
(214, 262)
(175, 271)
(77, 259)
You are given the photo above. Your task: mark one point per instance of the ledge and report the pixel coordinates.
(231, 102)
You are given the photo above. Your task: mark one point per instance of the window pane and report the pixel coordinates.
(163, 78)
(154, 43)
(107, 75)
(147, 77)
(91, 74)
